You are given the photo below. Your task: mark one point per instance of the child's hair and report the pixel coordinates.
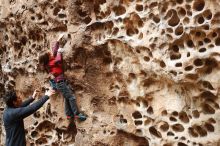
(44, 58)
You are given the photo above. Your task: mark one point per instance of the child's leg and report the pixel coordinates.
(68, 110)
(70, 101)
(73, 106)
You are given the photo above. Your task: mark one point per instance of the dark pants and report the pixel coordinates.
(70, 100)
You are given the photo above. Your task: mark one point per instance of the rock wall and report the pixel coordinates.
(146, 72)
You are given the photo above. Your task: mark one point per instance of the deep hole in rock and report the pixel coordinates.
(188, 68)
(200, 43)
(179, 30)
(201, 131)
(208, 95)
(6, 37)
(175, 48)
(147, 122)
(173, 119)
(198, 62)
(150, 110)
(146, 58)
(198, 33)
(175, 56)
(201, 50)
(82, 13)
(170, 133)
(33, 45)
(173, 72)
(175, 113)
(137, 115)
(119, 10)
(61, 15)
(186, 20)
(198, 5)
(55, 11)
(37, 114)
(196, 114)
(138, 132)
(214, 34)
(32, 18)
(156, 19)
(181, 12)
(217, 41)
(207, 109)
(200, 20)
(177, 128)
(24, 40)
(168, 144)
(206, 27)
(124, 121)
(189, 13)
(87, 20)
(178, 65)
(170, 30)
(211, 120)
(132, 75)
(154, 132)
(34, 134)
(139, 7)
(164, 113)
(183, 117)
(181, 144)
(183, 138)
(211, 46)
(190, 43)
(39, 16)
(192, 132)
(138, 122)
(207, 40)
(209, 127)
(130, 32)
(164, 127)
(141, 140)
(179, 1)
(174, 20)
(41, 141)
(207, 14)
(153, 4)
(162, 64)
(192, 76)
(208, 85)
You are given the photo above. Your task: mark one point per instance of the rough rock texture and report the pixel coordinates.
(146, 72)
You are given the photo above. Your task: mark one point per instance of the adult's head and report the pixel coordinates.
(12, 100)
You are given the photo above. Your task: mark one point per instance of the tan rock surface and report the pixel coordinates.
(145, 72)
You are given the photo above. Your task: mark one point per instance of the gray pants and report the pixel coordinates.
(70, 100)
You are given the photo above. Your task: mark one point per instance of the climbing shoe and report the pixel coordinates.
(80, 116)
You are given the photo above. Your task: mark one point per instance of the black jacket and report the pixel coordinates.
(13, 120)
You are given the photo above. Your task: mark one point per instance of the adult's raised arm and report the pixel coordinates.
(30, 99)
(23, 112)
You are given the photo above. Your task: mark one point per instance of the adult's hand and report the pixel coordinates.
(50, 92)
(35, 94)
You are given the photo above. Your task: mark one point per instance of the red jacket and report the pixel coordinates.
(55, 63)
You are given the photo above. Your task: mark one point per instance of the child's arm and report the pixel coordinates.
(57, 52)
(55, 48)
